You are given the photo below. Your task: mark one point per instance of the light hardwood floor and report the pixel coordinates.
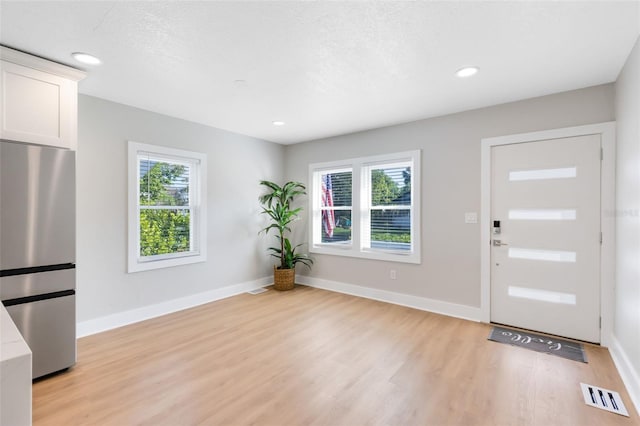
(310, 356)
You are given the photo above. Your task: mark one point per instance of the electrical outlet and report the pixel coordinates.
(392, 274)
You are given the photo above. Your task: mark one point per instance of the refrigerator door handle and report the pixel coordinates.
(36, 269)
(37, 298)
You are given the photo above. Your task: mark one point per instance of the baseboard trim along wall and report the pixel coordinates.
(629, 375)
(120, 319)
(416, 302)
(97, 325)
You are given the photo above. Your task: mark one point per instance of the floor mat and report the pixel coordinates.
(539, 343)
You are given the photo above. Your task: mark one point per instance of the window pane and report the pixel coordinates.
(164, 231)
(335, 204)
(163, 183)
(391, 186)
(391, 229)
(341, 231)
(336, 189)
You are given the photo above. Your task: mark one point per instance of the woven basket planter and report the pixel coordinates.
(284, 279)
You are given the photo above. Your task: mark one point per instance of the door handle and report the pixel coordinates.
(498, 243)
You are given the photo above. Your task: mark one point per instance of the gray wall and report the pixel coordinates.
(627, 313)
(235, 165)
(450, 269)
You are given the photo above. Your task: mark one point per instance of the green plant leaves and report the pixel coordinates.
(276, 204)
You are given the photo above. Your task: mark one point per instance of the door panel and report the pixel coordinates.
(545, 275)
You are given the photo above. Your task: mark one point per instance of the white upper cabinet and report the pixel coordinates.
(39, 100)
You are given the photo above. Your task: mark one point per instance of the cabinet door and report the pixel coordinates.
(37, 107)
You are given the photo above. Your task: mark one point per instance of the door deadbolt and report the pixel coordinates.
(496, 227)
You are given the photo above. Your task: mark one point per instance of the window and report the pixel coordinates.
(167, 207)
(367, 207)
(335, 206)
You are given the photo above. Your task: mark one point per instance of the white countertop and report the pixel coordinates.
(13, 345)
(15, 374)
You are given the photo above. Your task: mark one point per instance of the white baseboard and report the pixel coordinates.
(627, 371)
(97, 325)
(416, 302)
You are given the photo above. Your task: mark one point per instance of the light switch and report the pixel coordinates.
(471, 217)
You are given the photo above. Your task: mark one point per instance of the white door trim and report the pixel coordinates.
(607, 225)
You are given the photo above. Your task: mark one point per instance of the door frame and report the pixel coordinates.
(607, 132)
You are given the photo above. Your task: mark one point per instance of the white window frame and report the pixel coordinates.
(361, 199)
(198, 205)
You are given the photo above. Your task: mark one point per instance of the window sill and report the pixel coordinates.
(350, 251)
(138, 266)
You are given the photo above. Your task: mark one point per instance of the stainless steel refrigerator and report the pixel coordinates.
(37, 250)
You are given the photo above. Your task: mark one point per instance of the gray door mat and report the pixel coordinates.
(539, 343)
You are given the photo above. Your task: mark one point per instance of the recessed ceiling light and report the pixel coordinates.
(278, 123)
(467, 72)
(86, 58)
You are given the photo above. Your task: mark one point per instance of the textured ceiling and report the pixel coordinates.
(325, 68)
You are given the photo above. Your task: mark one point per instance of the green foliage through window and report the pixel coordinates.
(165, 216)
(164, 232)
(390, 207)
(391, 186)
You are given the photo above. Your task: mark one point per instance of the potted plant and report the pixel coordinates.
(276, 204)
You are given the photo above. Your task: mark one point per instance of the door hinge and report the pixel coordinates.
(601, 154)
(600, 324)
(601, 238)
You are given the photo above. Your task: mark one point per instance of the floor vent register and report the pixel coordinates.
(257, 290)
(604, 399)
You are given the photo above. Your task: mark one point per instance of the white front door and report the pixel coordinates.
(545, 260)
